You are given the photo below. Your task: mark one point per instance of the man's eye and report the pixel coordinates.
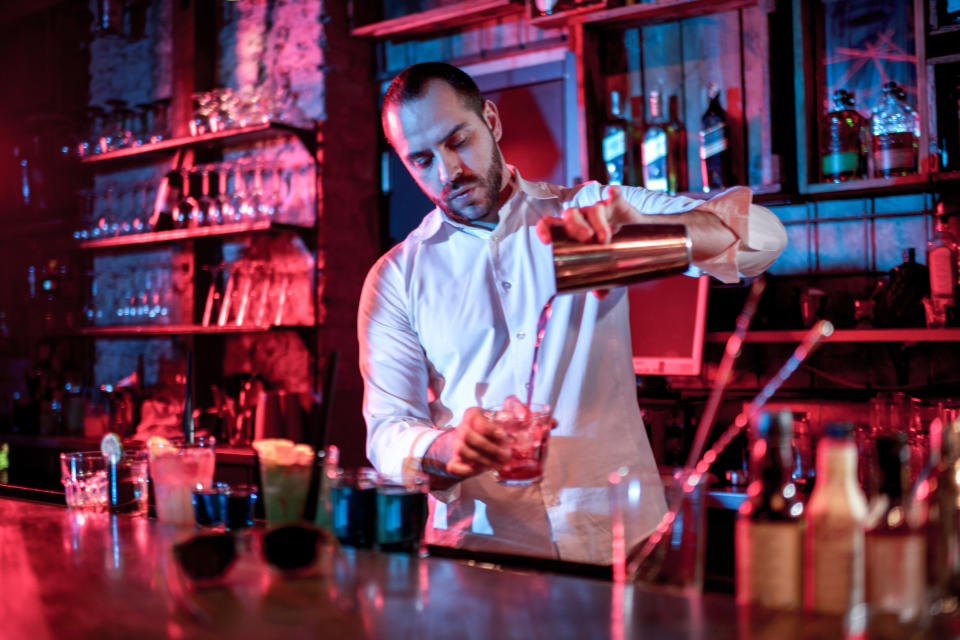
(422, 162)
(458, 142)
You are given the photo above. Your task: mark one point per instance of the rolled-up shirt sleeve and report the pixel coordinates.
(761, 236)
(395, 375)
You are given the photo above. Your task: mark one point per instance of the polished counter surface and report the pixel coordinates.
(66, 574)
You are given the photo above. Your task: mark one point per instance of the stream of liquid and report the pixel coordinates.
(541, 330)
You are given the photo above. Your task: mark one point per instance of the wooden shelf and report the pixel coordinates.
(439, 19)
(563, 18)
(867, 186)
(849, 335)
(244, 135)
(177, 235)
(141, 330)
(649, 12)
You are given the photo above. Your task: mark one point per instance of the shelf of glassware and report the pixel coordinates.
(447, 16)
(910, 335)
(143, 330)
(179, 235)
(310, 137)
(638, 12)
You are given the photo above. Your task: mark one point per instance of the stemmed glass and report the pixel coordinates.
(259, 203)
(280, 189)
(239, 202)
(203, 113)
(209, 212)
(187, 210)
(224, 205)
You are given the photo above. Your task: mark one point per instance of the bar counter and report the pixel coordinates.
(66, 574)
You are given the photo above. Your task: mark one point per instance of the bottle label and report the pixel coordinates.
(896, 573)
(834, 561)
(655, 162)
(839, 163)
(769, 558)
(713, 141)
(614, 144)
(942, 273)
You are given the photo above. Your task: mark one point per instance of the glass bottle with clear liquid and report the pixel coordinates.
(894, 134)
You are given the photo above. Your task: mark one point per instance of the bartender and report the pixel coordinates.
(448, 318)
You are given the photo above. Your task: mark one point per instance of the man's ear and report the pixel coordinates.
(492, 117)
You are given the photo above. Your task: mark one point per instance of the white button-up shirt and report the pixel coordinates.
(447, 321)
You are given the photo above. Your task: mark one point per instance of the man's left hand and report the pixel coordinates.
(598, 221)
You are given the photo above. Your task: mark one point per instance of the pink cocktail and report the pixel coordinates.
(176, 467)
(527, 434)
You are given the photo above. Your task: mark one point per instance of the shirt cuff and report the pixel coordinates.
(733, 208)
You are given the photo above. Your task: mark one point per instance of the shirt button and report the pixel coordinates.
(506, 285)
(521, 335)
(553, 502)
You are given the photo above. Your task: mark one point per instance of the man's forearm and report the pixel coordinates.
(434, 464)
(709, 236)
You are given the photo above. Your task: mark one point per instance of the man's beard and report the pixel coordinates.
(490, 185)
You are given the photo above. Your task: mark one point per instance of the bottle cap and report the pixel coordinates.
(839, 430)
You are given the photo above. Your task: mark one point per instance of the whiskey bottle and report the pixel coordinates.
(637, 129)
(840, 142)
(655, 146)
(677, 151)
(714, 145)
(615, 137)
(769, 529)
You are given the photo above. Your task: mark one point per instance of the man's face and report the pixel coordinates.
(450, 151)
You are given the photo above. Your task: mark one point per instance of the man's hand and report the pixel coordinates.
(601, 220)
(474, 446)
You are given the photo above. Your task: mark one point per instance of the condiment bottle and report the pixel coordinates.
(834, 538)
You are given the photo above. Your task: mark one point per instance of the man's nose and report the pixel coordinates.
(450, 166)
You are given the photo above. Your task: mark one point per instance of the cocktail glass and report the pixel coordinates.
(176, 467)
(127, 483)
(528, 430)
(285, 470)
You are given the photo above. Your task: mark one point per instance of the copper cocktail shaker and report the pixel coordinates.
(636, 253)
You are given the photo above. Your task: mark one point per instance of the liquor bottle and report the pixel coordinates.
(677, 151)
(840, 142)
(902, 301)
(615, 136)
(894, 140)
(769, 530)
(895, 547)
(655, 145)
(637, 129)
(834, 537)
(942, 263)
(714, 146)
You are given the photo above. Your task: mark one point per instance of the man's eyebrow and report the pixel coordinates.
(453, 130)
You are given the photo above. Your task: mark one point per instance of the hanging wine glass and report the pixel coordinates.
(240, 201)
(187, 211)
(259, 202)
(227, 213)
(209, 212)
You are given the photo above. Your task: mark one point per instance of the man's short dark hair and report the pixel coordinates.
(411, 83)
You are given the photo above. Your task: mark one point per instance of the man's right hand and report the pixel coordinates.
(474, 446)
